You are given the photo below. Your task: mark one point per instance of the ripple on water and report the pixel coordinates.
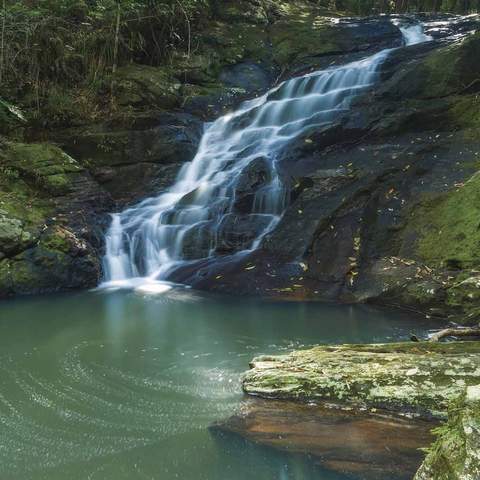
(84, 406)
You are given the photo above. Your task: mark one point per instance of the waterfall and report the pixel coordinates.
(414, 34)
(199, 216)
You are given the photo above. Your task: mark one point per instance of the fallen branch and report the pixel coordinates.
(455, 332)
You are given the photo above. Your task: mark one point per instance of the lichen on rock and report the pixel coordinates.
(420, 379)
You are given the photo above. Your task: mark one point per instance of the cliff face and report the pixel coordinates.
(373, 211)
(383, 201)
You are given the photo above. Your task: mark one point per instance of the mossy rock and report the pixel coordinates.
(415, 378)
(14, 236)
(38, 251)
(456, 453)
(143, 85)
(304, 33)
(42, 165)
(465, 115)
(451, 70)
(447, 227)
(59, 261)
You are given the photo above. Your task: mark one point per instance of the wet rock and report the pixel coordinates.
(418, 378)
(198, 242)
(306, 38)
(247, 76)
(447, 71)
(366, 445)
(256, 175)
(371, 194)
(237, 232)
(138, 162)
(50, 221)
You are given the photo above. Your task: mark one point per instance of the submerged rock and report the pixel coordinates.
(371, 446)
(419, 378)
(326, 400)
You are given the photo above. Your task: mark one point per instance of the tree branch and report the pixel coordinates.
(455, 332)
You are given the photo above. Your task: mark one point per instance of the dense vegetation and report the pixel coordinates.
(47, 46)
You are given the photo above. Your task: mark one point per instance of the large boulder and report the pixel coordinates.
(366, 410)
(48, 204)
(416, 378)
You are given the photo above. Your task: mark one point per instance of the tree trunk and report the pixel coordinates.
(2, 40)
(115, 47)
(455, 332)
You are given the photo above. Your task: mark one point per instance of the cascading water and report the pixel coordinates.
(414, 34)
(198, 217)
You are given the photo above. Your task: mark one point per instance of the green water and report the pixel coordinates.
(123, 386)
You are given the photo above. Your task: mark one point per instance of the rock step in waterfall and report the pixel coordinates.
(230, 195)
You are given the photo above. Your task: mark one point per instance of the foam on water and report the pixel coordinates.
(197, 217)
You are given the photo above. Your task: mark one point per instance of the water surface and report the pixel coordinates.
(123, 385)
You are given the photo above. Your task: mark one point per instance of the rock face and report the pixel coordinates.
(418, 378)
(48, 204)
(382, 203)
(456, 453)
(133, 163)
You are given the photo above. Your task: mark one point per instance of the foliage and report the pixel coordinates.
(73, 42)
(49, 47)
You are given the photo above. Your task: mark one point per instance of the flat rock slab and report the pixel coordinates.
(418, 378)
(365, 445)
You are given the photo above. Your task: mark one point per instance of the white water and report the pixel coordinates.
(414, 34)
(198, 217)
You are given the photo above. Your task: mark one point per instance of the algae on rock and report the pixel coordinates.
(46, 202)
(417, 378)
